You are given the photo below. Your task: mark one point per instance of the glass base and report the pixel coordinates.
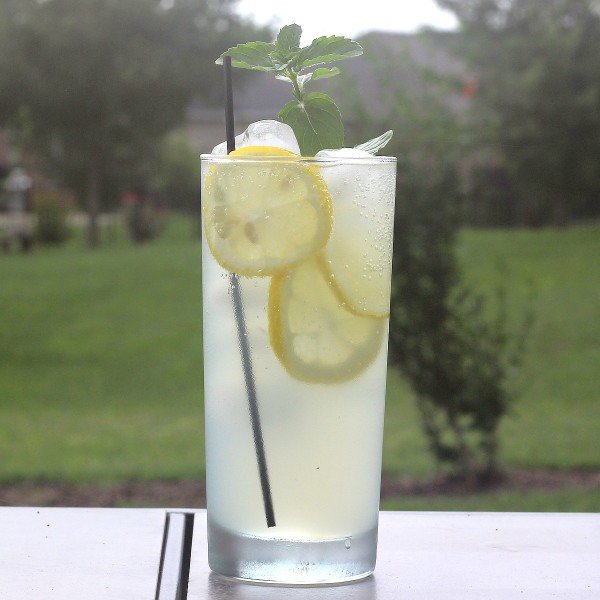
(291, 562)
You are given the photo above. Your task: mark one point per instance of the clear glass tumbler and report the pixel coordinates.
(296, 268)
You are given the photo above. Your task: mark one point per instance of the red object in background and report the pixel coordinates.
(129, 199)
(470, 87)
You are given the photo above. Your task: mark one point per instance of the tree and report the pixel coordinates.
(175, 180)
(537, 64)
(103, 80)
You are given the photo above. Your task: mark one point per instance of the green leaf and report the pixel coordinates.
(376, 144)
(252, 55)
(316, 121)
(288, 39)
(325, 73)
(327, 49)
(320, 73)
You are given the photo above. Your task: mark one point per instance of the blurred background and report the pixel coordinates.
(105, 105)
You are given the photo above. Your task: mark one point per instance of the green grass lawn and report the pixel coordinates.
(101, 363)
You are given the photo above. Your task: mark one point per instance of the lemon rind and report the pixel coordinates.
(313, 375)
(324, 205)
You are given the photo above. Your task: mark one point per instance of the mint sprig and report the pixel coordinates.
(313, 116)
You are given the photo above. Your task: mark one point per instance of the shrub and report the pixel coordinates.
(177, 175)
(459, 357)
(52, 209)
(141, 218)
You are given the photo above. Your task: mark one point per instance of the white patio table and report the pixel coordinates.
(117, 554)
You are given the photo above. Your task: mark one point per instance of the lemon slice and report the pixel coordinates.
(312, 334)
(261, 217)
(359, 250)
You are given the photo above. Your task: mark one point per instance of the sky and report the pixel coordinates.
(348, 17)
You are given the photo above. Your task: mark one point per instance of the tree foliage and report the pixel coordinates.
(538, 100)
(103, 80)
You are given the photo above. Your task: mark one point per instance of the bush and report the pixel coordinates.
(141, 218)
(52, 209)
(459, 358)
(177, 177)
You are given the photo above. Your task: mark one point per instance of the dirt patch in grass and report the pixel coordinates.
(191, 494)
(543, 480)
(160, 493)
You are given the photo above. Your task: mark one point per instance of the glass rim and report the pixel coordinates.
(326, 160)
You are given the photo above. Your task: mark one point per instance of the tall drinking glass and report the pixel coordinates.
(296, 267)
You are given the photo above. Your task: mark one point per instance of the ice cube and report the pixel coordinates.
(220, 149)
(264, 133)
(343, 153)
(359, 247)
(347, 180)
(361, 188)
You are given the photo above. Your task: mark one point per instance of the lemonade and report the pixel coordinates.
(310, 244)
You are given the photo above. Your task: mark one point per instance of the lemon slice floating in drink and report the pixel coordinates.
(313, 335)
(264, 217)
(359, 250)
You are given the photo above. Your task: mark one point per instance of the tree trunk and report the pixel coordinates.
(432, 431)
(464, 466)
(561, 214)
(93, 206)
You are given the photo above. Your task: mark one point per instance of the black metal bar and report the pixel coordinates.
(174, 569)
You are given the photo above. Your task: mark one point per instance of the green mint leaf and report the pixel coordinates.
(288, 39)
(325, 73)
(327, 49)
(252, 55)
(316, 121)
(320, 73)
(376, 144)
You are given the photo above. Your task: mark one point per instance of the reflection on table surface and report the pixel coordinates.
(220, 588)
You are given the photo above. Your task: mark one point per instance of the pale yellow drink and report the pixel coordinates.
(317, 332)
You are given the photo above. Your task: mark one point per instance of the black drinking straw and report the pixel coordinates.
(238, 309)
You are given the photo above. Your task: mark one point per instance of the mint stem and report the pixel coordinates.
(294, 79)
